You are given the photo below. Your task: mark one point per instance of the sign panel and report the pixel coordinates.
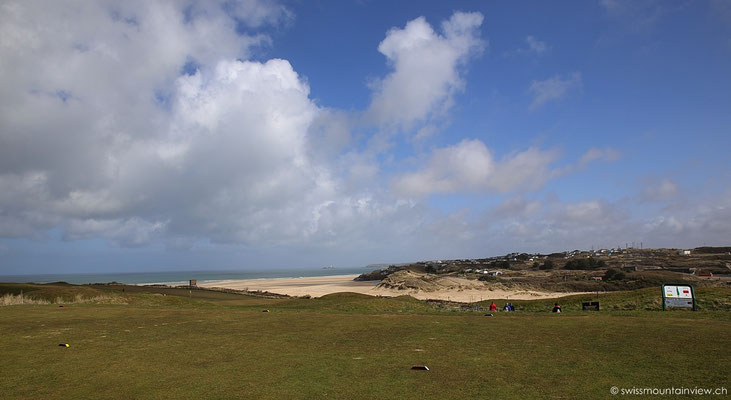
(674, 302)
(678, 295)
(683, 292)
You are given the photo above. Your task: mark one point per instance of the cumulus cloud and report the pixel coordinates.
(162, 129)
(704, 222)
(147, 122)
(658, 191)
(592, 155)
(552, 225)
(255, 13)
(587, 213)
(164, 132)
(553, 88)
(426, 69)
(515, 208)
(470, 166)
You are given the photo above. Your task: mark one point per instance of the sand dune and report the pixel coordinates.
(467, 291)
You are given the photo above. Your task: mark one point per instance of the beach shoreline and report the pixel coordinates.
(323, 285)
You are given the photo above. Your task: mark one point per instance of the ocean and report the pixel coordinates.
(180, 277)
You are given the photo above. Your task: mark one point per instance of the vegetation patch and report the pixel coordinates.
(177, 343)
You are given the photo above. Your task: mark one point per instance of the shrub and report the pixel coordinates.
(585, 263)
(614, 275)
(548, 264)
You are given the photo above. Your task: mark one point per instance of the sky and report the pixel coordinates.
(194, 135)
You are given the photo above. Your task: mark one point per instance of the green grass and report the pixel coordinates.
(648, 299)
(202, 344)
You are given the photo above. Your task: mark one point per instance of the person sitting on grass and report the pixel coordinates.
(511, 307)
(493, 306)
(506, 307)
(556, 307)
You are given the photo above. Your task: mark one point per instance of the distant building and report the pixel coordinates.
(193, 283)
(686, 252)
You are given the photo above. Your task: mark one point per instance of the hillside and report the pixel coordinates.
(572, 271)
(167, 343)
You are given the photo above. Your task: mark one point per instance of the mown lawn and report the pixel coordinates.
(348, 347)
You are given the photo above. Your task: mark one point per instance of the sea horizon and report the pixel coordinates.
(181, 277)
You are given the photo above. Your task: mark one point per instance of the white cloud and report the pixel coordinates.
(516, 207)
(143, 122)
(165, 134)
(701, 222)
(255, 13)
(426, 69)
(470, 167)
(553, 88)
(131, 150)
(536, 46)
(658, 191)
(593, 154)
(586, 213)
(131, 232)
(425, 132)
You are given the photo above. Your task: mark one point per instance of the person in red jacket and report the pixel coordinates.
(493, 306)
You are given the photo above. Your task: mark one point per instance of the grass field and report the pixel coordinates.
(200, 344)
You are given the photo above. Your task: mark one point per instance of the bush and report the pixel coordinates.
(711, 250)
(548, 264)
(585, 263)
(614, 275)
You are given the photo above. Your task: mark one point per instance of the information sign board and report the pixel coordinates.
(678, 295)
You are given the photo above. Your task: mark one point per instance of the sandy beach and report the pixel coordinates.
(322, 285)
(313, 286)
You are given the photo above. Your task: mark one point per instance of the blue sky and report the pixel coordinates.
(263, 134)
